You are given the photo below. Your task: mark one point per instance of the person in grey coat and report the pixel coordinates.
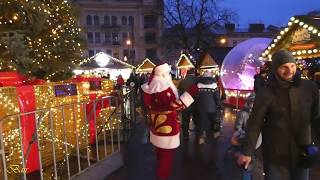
(206, 105)
(284, 112)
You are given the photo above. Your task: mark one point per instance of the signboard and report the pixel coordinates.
(95, 85)
(65, 90)
(300, 36)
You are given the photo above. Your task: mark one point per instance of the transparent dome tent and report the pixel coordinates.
(241, 63)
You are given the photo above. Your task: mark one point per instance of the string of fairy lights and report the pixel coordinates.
(184, 57)
(73, 115)
(292, 24)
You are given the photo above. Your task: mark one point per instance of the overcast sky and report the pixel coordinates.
(276, 12)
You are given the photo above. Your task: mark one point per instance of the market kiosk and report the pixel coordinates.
(145, 67)
(183, 65)
(302, 38)
(207, 63)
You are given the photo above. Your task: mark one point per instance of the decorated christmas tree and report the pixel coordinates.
(39, 38)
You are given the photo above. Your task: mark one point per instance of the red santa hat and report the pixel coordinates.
(159, 70)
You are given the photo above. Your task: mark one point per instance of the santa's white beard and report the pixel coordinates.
(168, 78)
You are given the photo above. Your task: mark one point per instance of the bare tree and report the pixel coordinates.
(192, 21)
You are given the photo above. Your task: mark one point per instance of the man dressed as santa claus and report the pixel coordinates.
(162, 103)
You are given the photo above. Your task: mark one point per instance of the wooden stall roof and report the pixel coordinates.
(184, 62)
(206, 61)
(146, 66)
(114, 63)
(301, 37)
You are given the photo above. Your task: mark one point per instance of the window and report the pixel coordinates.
(150, 21)
(97, 37)
(107, 20)
(107, 37)
(114, 20)
(115, 39)
(89, 20)
(116, 55)
(131, 20)
(151, 53)
(126, 53)
(132, 54)
(96, 20)
(150, 37)
(91, 53)
(124, 36)
(90, 37)
(124, 20)
(108, 51)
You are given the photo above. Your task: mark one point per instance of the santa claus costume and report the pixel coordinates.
(162, 103)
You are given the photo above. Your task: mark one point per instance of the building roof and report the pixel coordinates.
(184, 62)
(206, 61)
(114, 63)
(146, 66)
(219, 53)
(301, 37)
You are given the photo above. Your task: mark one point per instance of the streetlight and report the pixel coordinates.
(223, 40)
(128, 43)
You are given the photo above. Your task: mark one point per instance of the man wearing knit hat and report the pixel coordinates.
(162, 101)
(285, 112)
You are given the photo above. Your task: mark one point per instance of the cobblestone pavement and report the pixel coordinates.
(209, 161)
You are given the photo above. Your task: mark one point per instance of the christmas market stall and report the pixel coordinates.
(302, 38)
(183, 65)
(103, 65)
(207, 63)
(145, 67)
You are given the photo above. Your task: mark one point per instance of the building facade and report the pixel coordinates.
(230, 36)
(129, 30)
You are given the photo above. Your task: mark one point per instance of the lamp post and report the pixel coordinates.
(128, 43)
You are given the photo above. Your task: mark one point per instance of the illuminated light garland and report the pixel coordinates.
(144, 62)
(184, 56)
(45, 99)
(300, 23)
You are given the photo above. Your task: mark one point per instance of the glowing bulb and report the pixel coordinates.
(102, 59)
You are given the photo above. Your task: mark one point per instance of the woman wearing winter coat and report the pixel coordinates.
(207, 105)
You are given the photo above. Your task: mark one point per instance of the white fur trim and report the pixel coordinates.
(208, 86)
(259, 141)
(165, 142)
(187, 99)
(158, 84)
(161, 69)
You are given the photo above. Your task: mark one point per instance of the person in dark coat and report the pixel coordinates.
(132, 81)
(206, 105)
(184, 85)
(284, 112)
(260, 80)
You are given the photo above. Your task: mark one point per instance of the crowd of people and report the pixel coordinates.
(280, 119)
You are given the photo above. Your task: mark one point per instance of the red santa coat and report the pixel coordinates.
(161, 101)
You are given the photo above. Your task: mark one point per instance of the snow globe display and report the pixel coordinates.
(241, 64)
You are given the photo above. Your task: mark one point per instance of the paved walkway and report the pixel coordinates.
(208, 161)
